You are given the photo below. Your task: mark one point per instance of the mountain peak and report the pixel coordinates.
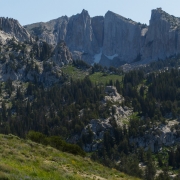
(112, 14)
(84, 12)
(158, 14)
(13, 27)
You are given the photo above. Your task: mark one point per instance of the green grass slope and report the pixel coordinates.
(101, 78)
(74, 73)
(97, 77)
(24, 159)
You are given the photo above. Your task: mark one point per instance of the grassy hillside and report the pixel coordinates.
(24, 159)
(74, 72)
(101, 78)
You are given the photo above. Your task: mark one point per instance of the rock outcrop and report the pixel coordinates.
(62, 55)
(121, 114)
(94, 132)
(36, 62)
(4, 37)
(155, 138)
(13, 28)
(112, 95)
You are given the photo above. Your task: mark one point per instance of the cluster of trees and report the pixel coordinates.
(106, 70)
(81, 64)
(153, 96)
(56, 142)
(162, 65)
(53, 111)
(42, 50)
(174, 158)
(116, 147)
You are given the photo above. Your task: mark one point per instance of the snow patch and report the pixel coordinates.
(97, 57)
(112, 57)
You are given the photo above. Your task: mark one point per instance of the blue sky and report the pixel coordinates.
(31, 11)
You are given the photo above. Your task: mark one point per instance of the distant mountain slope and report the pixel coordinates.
(32, 61)
(113, 39)
(24, 159)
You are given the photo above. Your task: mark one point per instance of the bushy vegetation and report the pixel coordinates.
(56, 142)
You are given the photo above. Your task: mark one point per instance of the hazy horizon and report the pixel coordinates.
(27, 12)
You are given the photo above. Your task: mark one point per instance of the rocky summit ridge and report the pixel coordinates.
(111, 40)
(13, 28)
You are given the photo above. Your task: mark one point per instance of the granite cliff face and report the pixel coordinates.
(122, 37)
(163, 36)
(14, 29)
(98, 29)
(80, 36)
(113, 40)
(83, 35)
(76, 31)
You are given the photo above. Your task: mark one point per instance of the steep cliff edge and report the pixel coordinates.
(163, 36)
(122, 37)
(77, 31)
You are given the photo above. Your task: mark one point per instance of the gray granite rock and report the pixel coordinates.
(163, 36)
(122, 37)
(80, 36)
(13, 28)
(98, 29)
(62, 55)
(52, 31)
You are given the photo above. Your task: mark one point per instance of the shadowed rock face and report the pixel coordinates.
(113, 39)
(98, 29)
(12, 27)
